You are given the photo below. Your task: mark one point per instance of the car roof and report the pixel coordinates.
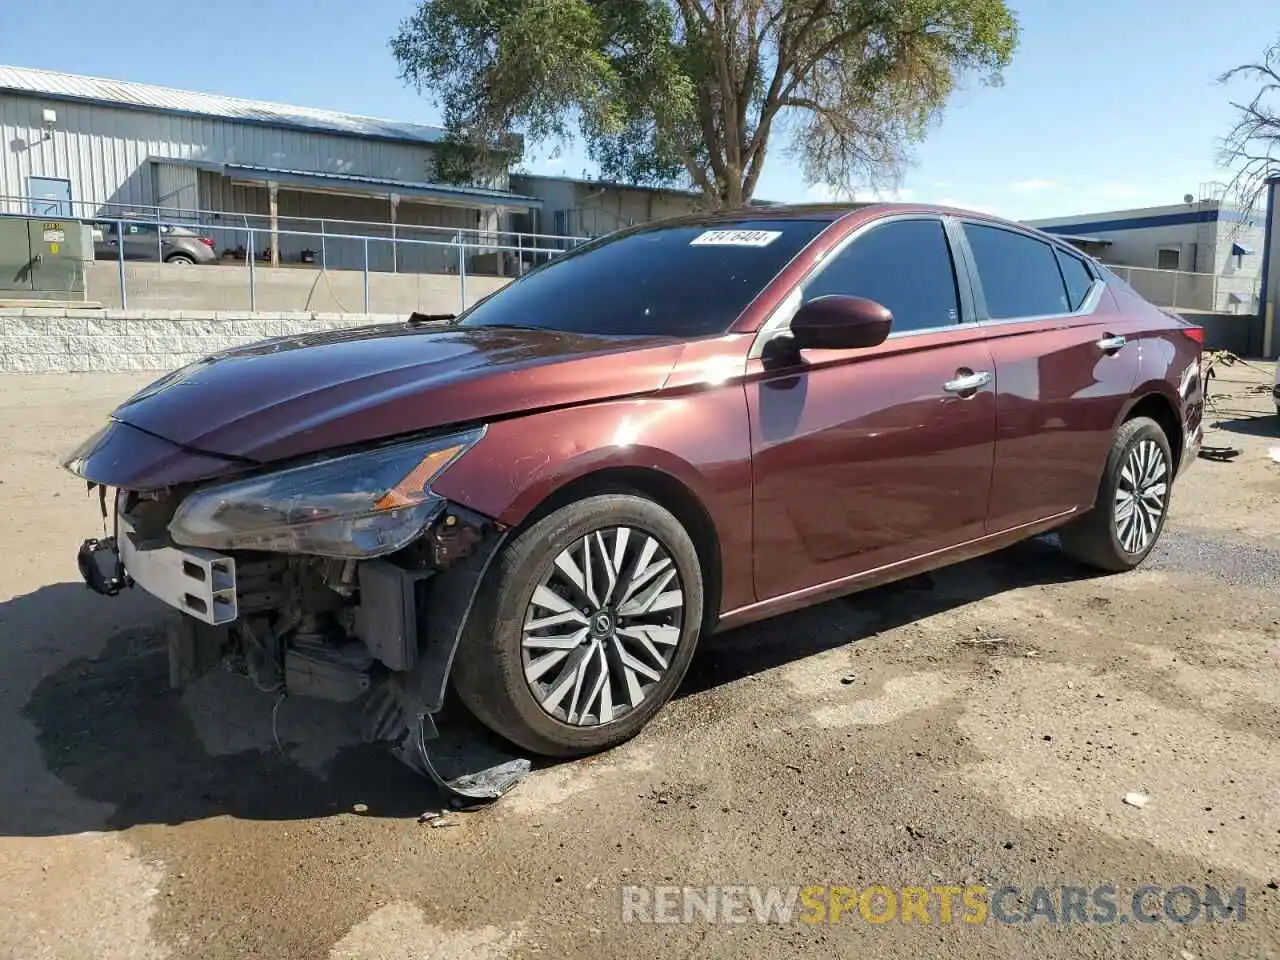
(831, 212)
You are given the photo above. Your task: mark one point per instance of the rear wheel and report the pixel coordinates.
(584, 627)
(181, 259)
(1133, 499)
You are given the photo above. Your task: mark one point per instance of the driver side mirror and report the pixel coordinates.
(840, 323)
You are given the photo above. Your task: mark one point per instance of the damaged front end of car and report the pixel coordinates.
(342, 577)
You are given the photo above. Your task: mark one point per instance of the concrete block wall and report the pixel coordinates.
(72, 340)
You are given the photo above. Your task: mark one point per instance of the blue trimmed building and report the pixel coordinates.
(1220, 245)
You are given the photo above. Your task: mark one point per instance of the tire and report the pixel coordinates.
(498, 645)
(1104, 537)
(181, 259)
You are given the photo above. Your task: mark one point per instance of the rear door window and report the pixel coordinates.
(904, 265)
(1019, 274)
(1077, 277)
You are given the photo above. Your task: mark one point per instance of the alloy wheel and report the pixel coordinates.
(1142, 495)
(602, 626)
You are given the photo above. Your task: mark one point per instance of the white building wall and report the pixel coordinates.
(103, 150)
(1228, 283)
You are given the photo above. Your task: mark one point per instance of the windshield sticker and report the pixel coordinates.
(735, 238)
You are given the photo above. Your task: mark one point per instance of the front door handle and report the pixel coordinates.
(968, 383)
(1111, 344)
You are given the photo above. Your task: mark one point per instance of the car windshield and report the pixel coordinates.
(678, 280)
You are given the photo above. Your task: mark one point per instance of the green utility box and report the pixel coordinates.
(43, 259)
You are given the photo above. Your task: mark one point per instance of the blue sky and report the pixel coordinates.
(1108, 104)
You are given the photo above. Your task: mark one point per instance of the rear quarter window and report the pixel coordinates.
(1077, 278)
(1019, 274)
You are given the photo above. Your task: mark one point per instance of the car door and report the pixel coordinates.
(141, 241)
(1064, 368)
(864, 458)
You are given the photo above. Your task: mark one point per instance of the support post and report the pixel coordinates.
(124, 294)
(250, 256)
(273, 191)
(500, 222)
(395, 260)
(462, 274)
(1269, 301)
(366, 274)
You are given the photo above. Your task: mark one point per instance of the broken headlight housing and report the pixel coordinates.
(354, 506)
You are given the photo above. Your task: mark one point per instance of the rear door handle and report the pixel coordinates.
(1111, 344)
(968, 383)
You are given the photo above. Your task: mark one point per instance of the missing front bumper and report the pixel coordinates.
(199, 583)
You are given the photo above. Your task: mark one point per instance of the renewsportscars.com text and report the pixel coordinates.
(936, 904)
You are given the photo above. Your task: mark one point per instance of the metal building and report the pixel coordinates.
(576, 207)
(94, 148)
(1200, 255)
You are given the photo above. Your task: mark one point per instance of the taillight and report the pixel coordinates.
(1195, 333)
(207, 241)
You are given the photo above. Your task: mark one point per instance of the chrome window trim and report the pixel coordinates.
(780, 319)
(1087, 308)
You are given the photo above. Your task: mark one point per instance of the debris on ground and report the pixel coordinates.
(1138, 800)
(848, 678)
(999, 645)
(360, 808)
(439, 823)
(1219, 454)
(982, 641)
(1274, 454)
(429, 815)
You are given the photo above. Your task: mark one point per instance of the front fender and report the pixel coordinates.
(699, 438)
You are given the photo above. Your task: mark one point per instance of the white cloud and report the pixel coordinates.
(820, 193)
(963, 204)
(940, 185)
(892, 196)
(826, 193)
(1035, 186)
(1119, 191)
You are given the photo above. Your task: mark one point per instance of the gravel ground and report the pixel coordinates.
(981, 726)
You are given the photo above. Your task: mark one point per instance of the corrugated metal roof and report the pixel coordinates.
(335, 181)
(124, 93)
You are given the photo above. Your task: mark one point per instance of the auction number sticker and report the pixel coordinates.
(735, 238)
(54, 236)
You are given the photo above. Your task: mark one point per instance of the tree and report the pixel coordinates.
(1252, 148)
(697, 91)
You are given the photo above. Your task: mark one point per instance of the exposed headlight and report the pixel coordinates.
(356, 506)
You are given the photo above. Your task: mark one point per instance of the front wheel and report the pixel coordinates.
(1133, 499)
(584, 627)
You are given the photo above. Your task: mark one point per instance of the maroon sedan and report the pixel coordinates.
(681, 428)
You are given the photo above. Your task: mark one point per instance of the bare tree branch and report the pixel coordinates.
(1251, 147)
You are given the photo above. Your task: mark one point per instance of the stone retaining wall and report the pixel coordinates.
(70, 340)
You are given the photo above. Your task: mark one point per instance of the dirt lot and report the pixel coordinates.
(979, 727)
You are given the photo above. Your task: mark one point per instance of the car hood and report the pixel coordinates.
(302, 394)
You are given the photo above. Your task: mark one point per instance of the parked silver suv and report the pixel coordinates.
(150, 241)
